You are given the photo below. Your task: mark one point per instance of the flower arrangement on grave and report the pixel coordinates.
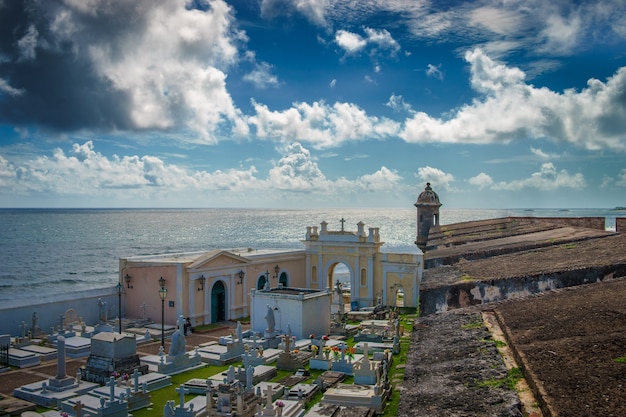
(63, 414)
(314, 349)
(350, 353)
(336, 352)
(311, 336)
(326, 352)
(115, 374)
(280, 406)
(325, 337)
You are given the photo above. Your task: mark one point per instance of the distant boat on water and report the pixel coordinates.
(619, 208)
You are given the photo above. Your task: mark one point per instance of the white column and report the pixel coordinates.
(192, 297)
(355, 284)
(206, 294)
(370, 279)
(179, 291)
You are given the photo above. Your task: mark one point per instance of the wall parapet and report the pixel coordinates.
(473, 293)
(48, 309)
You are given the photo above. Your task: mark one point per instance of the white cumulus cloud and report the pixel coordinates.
(349, 42)
(434, 71)
(436, 177)
(546, 179)
(377, 41)
(320, 124)
(262, 76)
(85, 173)
(481, 180)
(296, 171)
(397, 103)
(170, 65)
(510, 109)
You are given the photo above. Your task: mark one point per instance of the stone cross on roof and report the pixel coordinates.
(342, 221)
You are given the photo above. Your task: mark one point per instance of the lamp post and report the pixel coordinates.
(201, 280)
(163, 295)
(119, 305)
(127, 278)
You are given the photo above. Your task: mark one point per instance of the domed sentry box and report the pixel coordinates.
(427, 215)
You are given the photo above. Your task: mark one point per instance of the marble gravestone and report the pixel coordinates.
(178, 359)
(49, 392)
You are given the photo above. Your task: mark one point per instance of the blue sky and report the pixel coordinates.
(312, 103)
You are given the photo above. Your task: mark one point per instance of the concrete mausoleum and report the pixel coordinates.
(217, 285)
(290, 310)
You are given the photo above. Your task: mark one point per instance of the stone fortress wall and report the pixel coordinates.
(588, 222)
(466, 294)
(486, 261)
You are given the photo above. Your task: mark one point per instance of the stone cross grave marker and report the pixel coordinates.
(182, 391)
(268, 393)
(136, 380)
(111, 385)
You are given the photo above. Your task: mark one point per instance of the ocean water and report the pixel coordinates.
(57, 251)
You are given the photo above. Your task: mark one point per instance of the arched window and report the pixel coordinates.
(363, 278)
(314, 274)
(260, 283)
(283, 280)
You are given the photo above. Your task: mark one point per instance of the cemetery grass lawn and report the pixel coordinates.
(161, 396)
(396, 373)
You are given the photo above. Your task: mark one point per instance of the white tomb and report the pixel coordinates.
(305, 311)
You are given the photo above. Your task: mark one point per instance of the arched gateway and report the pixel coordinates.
(375, 276)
